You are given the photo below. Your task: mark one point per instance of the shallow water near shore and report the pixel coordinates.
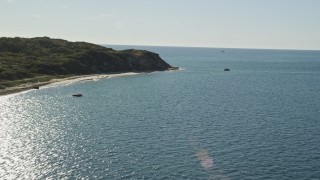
(259, 121)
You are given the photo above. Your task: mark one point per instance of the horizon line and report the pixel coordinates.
(211, 47)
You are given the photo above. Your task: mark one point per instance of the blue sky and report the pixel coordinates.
(272, 24)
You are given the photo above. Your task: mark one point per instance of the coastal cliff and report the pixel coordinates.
(29, 60)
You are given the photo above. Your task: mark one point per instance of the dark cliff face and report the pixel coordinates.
(139, 60)
(22, 58)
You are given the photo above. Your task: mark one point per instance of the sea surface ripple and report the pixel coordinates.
(258, 121)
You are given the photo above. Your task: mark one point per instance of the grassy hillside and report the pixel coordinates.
(25, 60)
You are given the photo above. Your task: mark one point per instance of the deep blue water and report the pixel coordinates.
(259, 121)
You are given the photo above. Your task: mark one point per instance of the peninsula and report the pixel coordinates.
(32, 62)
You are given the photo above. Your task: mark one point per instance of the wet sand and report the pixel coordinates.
(61, 81)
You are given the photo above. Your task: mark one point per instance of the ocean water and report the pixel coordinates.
(259, 121)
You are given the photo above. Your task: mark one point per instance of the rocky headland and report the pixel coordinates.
(29, 62)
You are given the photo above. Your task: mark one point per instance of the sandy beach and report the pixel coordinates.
(61, 81)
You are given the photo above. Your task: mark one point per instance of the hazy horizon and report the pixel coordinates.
(247, 24)
(178, 46)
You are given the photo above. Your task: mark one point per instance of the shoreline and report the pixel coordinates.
(61, 81)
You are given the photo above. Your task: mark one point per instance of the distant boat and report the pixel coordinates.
(222, 51)
(35, 87)
(226, 69)
(77, 95)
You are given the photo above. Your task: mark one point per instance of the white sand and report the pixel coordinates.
(94, 77)
(60, 82)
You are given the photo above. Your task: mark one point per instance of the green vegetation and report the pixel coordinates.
(24, 60)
